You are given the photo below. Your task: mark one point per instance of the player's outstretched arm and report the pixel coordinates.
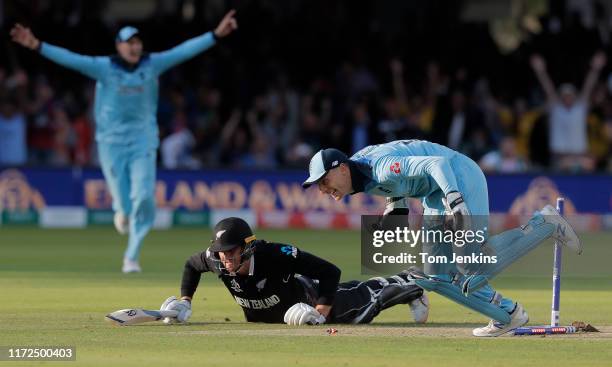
(597, 63)
(192, 272)
(162, 61)
(538, 64)
(92, 67)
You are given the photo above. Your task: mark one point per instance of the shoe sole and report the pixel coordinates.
(425, 302)
(502, 332)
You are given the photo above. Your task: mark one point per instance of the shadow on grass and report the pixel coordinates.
(457, 325)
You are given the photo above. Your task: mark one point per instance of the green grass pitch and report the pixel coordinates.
(57, 285)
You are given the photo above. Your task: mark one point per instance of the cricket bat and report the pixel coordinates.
(132, 316)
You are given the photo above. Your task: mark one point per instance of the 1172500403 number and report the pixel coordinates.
(12, 353)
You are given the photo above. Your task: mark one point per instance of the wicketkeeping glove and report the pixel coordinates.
(183, 307)
(394, 206)
(456, 207)
(303, 314)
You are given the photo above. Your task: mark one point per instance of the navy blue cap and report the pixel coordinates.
(323, 162)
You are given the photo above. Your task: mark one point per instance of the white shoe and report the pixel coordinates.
(130, 266)
(419, 308)
(494, 328)
(564, 232)
(122, 223)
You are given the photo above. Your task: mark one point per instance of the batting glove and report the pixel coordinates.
(303, 314)
(456, 207)
(164, 306)
(183, 307)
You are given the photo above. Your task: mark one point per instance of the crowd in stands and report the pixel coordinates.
(258, 102)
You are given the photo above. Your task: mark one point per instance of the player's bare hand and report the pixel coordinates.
(537, 63)
(227, 25)
(599, 60)
(24, 36)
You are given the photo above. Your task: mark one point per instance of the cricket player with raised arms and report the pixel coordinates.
(125, 111)
(449, 184)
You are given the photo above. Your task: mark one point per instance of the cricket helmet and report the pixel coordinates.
(228, 234)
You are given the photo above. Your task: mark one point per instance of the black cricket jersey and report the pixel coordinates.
(270, 287)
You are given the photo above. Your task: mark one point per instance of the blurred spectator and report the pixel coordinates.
(176, 148)
(41, 132)
(456, 127)
(608, 130)
(311, 131)
(13, 149)
(361, 124)
(234, 141)
(503, 160)
(395, 123)
(363, 83)
(299, 155)
(83, 133)
(206, 125)
(460, 126)
(568, 111)
(64, 139)
(260, 154)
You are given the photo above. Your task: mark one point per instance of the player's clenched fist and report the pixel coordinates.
(303, 314)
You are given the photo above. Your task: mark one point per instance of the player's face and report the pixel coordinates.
(337, 183)
(231, 258)
(568, 99)
(130, 50)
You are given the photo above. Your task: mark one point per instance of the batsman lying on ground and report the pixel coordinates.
(277, 283)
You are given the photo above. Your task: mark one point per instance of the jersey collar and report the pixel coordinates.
(360, 175)
(119, 61)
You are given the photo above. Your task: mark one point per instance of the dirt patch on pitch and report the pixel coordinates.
(431, 331)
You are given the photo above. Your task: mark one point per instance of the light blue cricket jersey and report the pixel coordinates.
(413, 168)
(125, 106)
